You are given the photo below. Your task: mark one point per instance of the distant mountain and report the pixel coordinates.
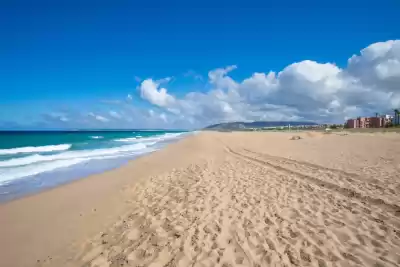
(256, 124)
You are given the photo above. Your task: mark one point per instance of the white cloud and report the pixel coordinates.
(129, 97)
(55, 116)
(164, 80)
(98, 117)
(150, 91)
(378, 66)
(101, 118)
(305, 90)
(115, 114)
(220, 80)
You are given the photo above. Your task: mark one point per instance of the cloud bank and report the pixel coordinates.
(305, 90)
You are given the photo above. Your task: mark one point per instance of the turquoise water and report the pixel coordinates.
(45, 159)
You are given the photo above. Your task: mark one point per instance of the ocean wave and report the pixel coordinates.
(36, 163)
(7, 175)
(96, 137)
(166, 136)
(34, 149)
(71, 155)
(130, 139)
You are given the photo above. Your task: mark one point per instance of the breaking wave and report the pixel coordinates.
(34, 149)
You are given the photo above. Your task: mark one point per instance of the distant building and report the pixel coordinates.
(351, 123)
(363, 122)
(376, 122)
(371, 122)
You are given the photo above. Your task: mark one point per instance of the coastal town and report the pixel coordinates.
(378, 121)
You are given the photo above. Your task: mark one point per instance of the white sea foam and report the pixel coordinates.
(10, 174)
(85, 154)
(34, 149)
(130, 139)
(97, 137)
(37, 163)
(156, 138)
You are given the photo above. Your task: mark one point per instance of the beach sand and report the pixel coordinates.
(222, 199)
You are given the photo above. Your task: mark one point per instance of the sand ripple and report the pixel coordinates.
(247, 208)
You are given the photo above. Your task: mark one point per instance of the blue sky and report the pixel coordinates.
(68, 64)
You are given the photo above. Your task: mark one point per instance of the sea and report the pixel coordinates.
(31, 161)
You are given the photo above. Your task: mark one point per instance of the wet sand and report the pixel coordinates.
(222, 199)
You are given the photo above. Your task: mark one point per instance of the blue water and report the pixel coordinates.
(32, 161)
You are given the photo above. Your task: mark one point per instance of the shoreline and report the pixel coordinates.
(41, 182)
(89, 205)
(69, 176)
(70, 180)
(220, 198)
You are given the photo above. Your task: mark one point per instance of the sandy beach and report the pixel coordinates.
(222, 199)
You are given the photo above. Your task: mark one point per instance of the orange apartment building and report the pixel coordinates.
(371, 122)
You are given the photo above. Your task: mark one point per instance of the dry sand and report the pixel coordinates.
(222, 199)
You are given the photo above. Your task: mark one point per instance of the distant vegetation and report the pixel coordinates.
(229, 126)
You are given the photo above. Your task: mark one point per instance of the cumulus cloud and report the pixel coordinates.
(305, 90)
(219, 79)
(150, 91)
(378, 66)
